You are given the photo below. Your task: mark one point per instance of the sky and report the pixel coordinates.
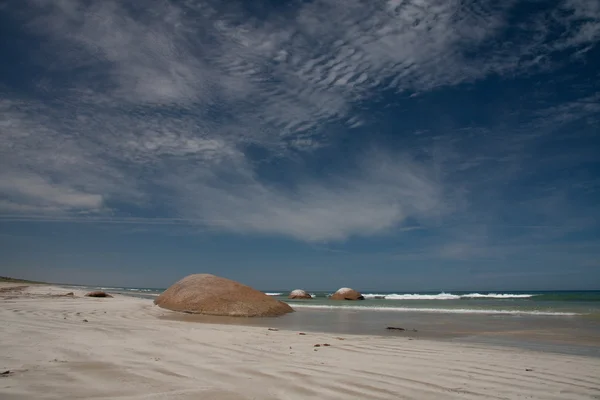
(382, 145)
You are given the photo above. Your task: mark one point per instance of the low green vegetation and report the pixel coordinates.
(15, 280)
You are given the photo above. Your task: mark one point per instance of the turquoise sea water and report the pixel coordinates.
(550, 303)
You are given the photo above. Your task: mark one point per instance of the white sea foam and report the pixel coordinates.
(446, 296)
(438, 310)
(273, 294)
(440, 296)
(127, 289)
(497, 296)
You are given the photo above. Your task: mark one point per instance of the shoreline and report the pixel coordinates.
(545, 332)
(523, 339)
(77, 347)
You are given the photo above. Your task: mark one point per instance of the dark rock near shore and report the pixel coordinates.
(299, 294)
(98, 294)
(392, 328)
(346, 294)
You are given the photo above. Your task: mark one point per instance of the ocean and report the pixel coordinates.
(548, 303)
(562, 321)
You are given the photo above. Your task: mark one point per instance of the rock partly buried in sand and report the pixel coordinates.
(212, 295)
(346, 294)
(98, 294)
(299, 294)
(393, 328)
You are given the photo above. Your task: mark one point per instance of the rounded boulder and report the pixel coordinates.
(212, 295)
(299, 294)
(346, 294)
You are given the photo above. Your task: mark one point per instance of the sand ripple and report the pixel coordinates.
(124, 351)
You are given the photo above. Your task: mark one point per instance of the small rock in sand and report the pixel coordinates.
(302, 333)
(273, 329)
(317, 345)
(98, 294)
(392, 328)
(85, 320)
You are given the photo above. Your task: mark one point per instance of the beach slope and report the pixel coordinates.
(74, 347)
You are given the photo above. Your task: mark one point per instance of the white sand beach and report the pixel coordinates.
(60, 347)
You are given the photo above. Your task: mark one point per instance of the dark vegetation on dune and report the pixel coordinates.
(15, 280)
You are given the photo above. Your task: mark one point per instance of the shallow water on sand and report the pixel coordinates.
(566, 334)
(567, 322)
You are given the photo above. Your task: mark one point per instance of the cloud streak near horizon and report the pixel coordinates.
(264, 118)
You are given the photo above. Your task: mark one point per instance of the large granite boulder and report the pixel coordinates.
(346, 294)
(299, 294)
(213, 295)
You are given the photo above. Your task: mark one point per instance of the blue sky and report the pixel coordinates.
(391, 145)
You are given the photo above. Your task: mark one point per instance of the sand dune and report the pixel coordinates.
(124, 351)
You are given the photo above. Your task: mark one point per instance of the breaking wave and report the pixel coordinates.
(446, 296)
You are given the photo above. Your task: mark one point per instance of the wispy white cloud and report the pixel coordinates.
(156, 106)
(295, 70)
(587, 107)
(29, 190)
(583, 24)
(379, 195)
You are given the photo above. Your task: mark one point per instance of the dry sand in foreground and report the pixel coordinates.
(124, 351)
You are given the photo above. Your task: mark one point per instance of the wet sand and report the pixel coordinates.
(565, 334)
